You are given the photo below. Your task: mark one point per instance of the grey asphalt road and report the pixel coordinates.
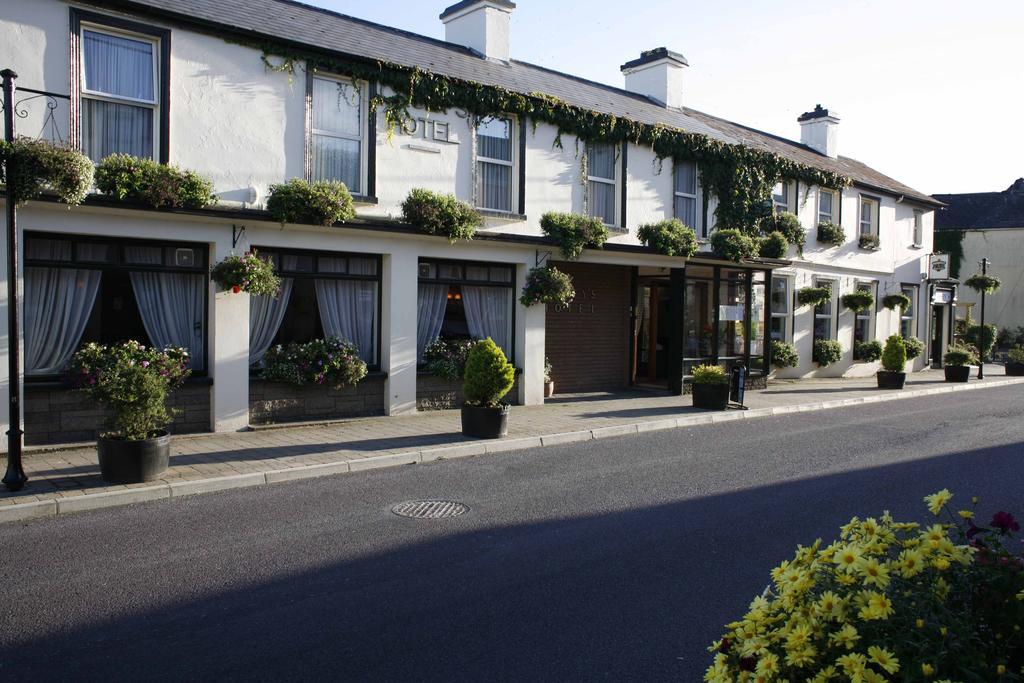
(618, 559)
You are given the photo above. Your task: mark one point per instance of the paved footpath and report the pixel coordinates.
(66, 481)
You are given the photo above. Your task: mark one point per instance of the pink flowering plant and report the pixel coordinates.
(247, 273)
(446, 358)
(132, 381)
(889, 601)
(331, 362)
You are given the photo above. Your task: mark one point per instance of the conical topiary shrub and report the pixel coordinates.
(489, 376)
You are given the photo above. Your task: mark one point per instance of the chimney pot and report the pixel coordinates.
(481, 25)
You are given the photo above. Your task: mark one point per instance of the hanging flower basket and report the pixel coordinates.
(870, 242)
(983, 283)
(830, 233)
(859, 301)
(814, 296)
(547, 286)
(247, 273)
(39, 165)
(894, 301)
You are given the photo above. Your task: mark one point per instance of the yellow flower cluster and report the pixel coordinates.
(829, 612)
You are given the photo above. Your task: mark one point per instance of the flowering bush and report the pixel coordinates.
(321, 361)
(38, 165)
(888, 601)
(324, 202)
(132, 381)
(547, 286)
(441, 214)
(158, 185)
(247, 273)
(446, 358)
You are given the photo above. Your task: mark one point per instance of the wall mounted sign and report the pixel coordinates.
(428, 129)
(582, 303)
(938, 266)
(942, 296)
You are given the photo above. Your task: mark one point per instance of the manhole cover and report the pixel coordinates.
(429, 509)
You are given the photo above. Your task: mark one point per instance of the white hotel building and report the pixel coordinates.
(184, 82)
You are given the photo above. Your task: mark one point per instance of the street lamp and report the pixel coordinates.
(981, 334)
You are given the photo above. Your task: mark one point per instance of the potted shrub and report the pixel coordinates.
(670, 237)
(710, 387)
(151, 183)
(957, 362)
(1015, 366)
(733, 245)
(830, 233)
(915, 347)
(574, 232)
(441, 214)
(894, 358)
(246, 273)
(784, 354)
(549, 383)
(489, 376)
(132, 382)
(825, 352)
(867, 351)
(547, 286)
(324, 202)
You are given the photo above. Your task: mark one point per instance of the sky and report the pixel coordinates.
(930, 92)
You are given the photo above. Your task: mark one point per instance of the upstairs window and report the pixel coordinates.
(494, 164)
(826, 206)
(780, 196)
(686, 193)
(918, 235)
(119, 93)
(868, 216)
(336, 137)
(601, 181)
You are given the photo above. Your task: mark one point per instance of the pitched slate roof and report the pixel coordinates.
(982, 210)
(316, 28)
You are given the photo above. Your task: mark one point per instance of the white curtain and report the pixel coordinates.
(58, 302)
(432, 300)
(348, 310)
(265, 316)
(489, 314)
(171, 305)
(118, 67)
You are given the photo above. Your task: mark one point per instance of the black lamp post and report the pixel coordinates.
(981, 334)
(15, 478)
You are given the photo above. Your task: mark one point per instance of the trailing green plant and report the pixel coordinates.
(773, 245)
(38, 165)
(894, 356)
(826, 352)
(914, 346)
(894, 301)
(547, 285)
(157, 185)
(446, 358)
(984, 283)
(670, 237)
(741, 177)
(867, 351)
(489, 375)
(814, 296)
(441, 214)
(858, 301)
(247, 273)
(831, 233)
(784, 354)
(982, 338)
(710, 374)
(951, 242)
(733, 245)
(1016, 354)
(869, 242)
(321, 361)
(131, 381)
(324, 202)
(789, 225)
(959, 355)
(574, 232)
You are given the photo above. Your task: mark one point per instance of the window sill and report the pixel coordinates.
(364, 199)
(615, 230)
(502, 215)
(916, 246)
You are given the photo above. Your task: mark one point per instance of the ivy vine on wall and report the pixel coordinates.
(740, 177)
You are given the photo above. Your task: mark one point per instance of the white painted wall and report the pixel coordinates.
(1004, 248)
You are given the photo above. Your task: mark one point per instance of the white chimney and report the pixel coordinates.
(658, 74)
(819, 130)
(481, 25)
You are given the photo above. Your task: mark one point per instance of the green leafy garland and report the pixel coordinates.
(740, 177)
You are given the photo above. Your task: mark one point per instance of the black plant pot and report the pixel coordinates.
(1015, 369)
(485, 423)
(957, 373)
(891, 380)
(711, 396)
(132, 462)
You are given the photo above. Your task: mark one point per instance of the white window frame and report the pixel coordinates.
(831, 215)
(917, 229)
(833, 305)
(872, 224)
(912, 291)
(513, 141)
(787, 315)
(870, 286)
(787, 196)
(153, 105)
(695, 196)
(360, 87)
(614, 182)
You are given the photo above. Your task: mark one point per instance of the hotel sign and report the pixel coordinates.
(938, 267)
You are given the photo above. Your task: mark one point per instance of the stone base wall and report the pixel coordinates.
(56, 414)
(435, 393)
(274, 402)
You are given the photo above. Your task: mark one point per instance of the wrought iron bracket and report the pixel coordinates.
(540, 257)
(237, 231)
